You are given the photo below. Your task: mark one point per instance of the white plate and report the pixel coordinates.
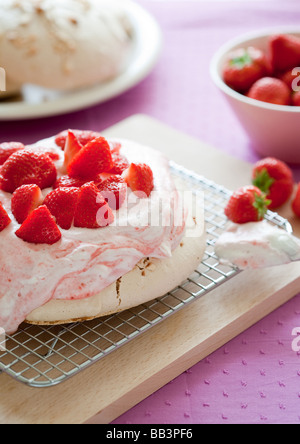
(147, 48)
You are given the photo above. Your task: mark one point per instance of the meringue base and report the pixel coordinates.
(150, 279)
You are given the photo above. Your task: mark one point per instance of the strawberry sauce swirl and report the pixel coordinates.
(85, 261)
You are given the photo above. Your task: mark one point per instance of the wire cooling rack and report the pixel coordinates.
(46, 356)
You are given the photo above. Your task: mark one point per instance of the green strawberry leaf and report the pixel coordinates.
(241, 61)
(261, 205)
(263, 181)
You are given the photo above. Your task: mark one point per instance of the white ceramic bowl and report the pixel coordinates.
(274, 130)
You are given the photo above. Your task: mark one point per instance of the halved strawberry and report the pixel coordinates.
(139, 177)
(24, 200)
(72, 147)
(83, 137)
(4, 218)
(62, 205)
(9, 148)
(39, 228)
(66, 182)
(114, 191)
(92, 211)
(27, 167)
(120, 164)
(94, 158)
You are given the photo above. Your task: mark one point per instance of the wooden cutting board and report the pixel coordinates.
(127, 376)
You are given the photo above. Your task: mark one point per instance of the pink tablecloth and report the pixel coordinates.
(256, 377)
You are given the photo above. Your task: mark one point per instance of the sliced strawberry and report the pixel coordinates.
(114, 191)
(9, 148)
(92, 211)
(4, 218)
(83, 137)
(139, 177)
(120, 164)
(27, 167)
(66, 182)
(94, 158)
(24, 200)
(62, 205)
(39, 228)
(72, 147)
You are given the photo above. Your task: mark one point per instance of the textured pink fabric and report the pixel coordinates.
(256, 377)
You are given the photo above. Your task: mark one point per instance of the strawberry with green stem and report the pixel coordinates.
(244, 67)
(274, 178)
(247, 204)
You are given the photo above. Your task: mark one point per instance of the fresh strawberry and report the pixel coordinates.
(94, 158)
(9, 148)
(27, 167)
(271, 90)
(66, 182)
(62, 205)
(24, 200)
(92, 210)
(248, 204)
(284, 52)
(4, 218)
(114, 191)
(139, 177)
(296, 202)
(291, 78)
(120, 164)
(296, 98)
(244, 67)
(39, 228)
(83, 137)
(274, 178)
(72, 147)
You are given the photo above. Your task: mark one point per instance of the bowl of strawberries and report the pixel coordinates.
(259, 74)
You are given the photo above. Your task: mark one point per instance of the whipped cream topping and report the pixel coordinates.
(257, 245)
(85, 261)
